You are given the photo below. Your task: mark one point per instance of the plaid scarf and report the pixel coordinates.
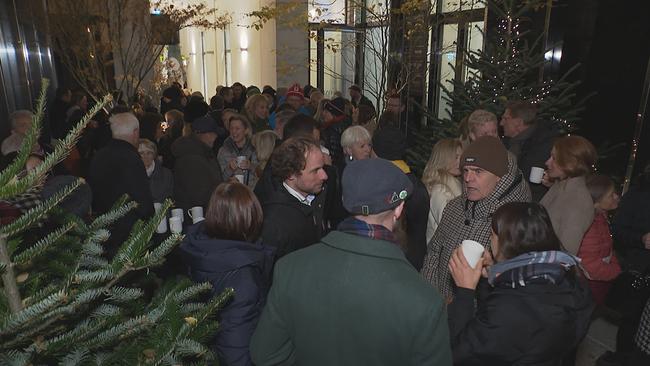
(548, 265)
(354, 226)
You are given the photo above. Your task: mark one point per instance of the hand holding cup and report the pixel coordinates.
(464, 276)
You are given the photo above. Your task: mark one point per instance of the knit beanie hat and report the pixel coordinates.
(486, 152)
(389, 143)
(252, 90)
(336, 106)
(295, 90)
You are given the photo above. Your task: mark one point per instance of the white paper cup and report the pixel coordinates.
(157, 206)
(175, 225)
(241, 159)
(240, 178)
(473, 251)
(162, 226)
(178, 212)
(196, 213)
(536, 175)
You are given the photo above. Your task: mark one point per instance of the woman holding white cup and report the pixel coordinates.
(237, 156)
(533, 303)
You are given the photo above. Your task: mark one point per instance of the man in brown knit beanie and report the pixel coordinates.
(490, 179)
(483, 163)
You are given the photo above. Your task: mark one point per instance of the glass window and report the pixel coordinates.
(474, 42)
(313, 59)
(449, 6)
(447, 74)
(227, 55)
(328, 11)
(338, 63)
(375, 76)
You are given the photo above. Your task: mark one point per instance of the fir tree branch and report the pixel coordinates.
(30, 314)
(9, 279)
(33, 215)
(113, 215)
(42, 244)
(28, 143)
(14, 187)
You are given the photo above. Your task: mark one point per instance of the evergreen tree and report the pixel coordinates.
(63, 302)
(507, 69)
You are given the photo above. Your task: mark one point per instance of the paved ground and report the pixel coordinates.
(601, 338)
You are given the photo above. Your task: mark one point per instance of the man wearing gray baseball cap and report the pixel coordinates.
(353, 298)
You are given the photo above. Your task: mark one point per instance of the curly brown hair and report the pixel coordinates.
(291, 157)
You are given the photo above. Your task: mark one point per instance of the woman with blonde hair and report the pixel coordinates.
(264, 142)
(237, 156)
(441, 179)
(257, 111)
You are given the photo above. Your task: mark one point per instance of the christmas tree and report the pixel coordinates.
(63, 302)
(508, 68)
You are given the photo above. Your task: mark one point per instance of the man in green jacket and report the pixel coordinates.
(353, 298)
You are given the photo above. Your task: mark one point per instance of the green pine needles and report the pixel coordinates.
(63, 302)
(509, 68)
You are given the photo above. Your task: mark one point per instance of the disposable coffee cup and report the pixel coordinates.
(241, 159)
(175, 225)
(157, 206)
(196, 213)
(162, 226)
(536, 175)
(240, 178)
(178, 212)
(473, 251)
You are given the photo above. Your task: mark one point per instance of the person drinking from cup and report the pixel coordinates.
(491, 178)
(237, 156)
(534, 306)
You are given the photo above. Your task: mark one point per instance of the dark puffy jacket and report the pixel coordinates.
(245, 267)
(536, 324)
(290, 225)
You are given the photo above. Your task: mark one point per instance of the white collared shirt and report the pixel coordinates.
(304, 200)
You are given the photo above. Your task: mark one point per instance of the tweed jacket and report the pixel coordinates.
(463, 219)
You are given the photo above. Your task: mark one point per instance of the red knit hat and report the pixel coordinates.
(295, 90)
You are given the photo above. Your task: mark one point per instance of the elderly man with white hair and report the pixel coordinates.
(117, 169)
(21, 121)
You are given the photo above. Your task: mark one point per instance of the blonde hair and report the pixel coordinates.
(318, 116)
(436, 171)
(148, 146)
(480, 117)
(264, 143)
(251, 104)
(244, 121)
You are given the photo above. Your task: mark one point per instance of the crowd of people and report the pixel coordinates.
(338, 253)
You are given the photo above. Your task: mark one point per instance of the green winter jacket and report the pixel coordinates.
(350, 300)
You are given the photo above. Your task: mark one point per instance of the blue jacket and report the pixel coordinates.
(246, 267)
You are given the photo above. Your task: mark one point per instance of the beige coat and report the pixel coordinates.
(440, 196)
(571, 209)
